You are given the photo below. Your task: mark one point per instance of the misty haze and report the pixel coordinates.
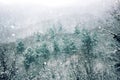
(59, 40)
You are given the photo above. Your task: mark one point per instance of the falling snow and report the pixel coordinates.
(76, 40)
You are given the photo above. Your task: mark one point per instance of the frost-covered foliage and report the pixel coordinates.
(82, 55)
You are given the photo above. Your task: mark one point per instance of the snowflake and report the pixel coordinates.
(12, 26)
(99, 27)
(13, 34)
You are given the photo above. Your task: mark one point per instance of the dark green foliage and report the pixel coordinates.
(32, 55)
(56, 47)
(26, 65)
(20, 47)
(52, 32)
(53, 76)
(29, 58)
(89, 41)
(43, 51)
(117, 37)
(69, 47)
(72, 47)
(38, 50)
(116, 56)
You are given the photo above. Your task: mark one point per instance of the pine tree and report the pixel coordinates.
(69, 47)
(20, 47)
(56, 49)
(87, 49)
(29, 58)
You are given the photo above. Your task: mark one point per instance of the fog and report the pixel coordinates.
(22, 18)
(59, 39)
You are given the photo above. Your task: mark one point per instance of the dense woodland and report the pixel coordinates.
(84, 54)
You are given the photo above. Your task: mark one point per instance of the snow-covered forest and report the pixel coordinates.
(85, 46)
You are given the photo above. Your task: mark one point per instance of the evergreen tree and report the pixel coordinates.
(43, 51)
(69, 47)
(56, 48)
(87, 49)
(20, 47)
(29, 58)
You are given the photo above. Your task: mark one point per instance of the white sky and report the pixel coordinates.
(51, 3)
(31, 18)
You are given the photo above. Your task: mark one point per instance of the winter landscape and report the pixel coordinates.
(60, 40)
